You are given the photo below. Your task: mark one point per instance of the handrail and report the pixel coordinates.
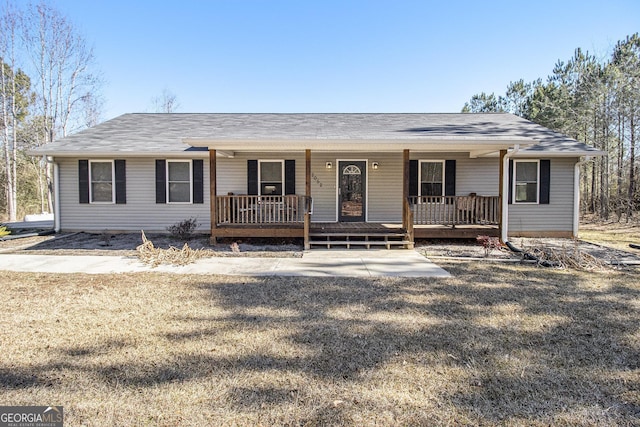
(251, 209)
(455, 210)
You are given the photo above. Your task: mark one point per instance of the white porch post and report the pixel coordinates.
(504, 209)
(56, 197)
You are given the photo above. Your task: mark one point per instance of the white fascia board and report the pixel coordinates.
(540, 154)
(577, 153)
(225, 153)
(474, 154)
(120, 154)
(350, 145)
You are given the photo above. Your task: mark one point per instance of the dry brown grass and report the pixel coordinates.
(150, 255)
(615, 235)
(496, 345)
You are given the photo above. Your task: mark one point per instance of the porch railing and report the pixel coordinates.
(246, 209)
(455, 210)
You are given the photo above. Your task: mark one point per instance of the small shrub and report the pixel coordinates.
(4, 231)
(489, 244)
(184, 229)
(106, 238)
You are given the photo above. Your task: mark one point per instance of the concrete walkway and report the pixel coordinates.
(318, 263)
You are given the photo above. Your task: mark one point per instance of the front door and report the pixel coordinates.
(351, 190)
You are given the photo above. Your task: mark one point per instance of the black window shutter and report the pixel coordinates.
(198, 180)
(161, 181)
(413, 178)
(252, 177)
(545, 181)
(289, 177)
(450, 178)
(121, 181)
(510, 181)
(83, 181)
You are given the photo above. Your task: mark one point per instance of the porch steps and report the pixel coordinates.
(365, 240)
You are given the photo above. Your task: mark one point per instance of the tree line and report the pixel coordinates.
(48, 88)
(594, 101)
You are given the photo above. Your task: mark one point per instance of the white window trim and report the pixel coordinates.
(281, 161)
(513, 188)
(113, 182)
(444, 176)
(190, 181)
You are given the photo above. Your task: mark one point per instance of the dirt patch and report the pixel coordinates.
(25, 242)
(125, 244)
(469, 248)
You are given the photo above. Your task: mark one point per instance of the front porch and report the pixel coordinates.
(290, 216)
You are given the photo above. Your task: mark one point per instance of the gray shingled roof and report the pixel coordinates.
(166, 133)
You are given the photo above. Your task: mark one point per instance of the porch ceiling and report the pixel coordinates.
(476, 147)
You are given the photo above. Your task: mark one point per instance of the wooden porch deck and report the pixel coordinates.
(290, 217)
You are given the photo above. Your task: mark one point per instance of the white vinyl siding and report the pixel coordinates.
(557, 216)
(323, 186)
(385, 188)
(141, 212)
(384, 192)
(480, 176)
(232, 173)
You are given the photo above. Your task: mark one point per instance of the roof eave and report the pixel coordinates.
(112, 154)
(551, 153)
(440, 144)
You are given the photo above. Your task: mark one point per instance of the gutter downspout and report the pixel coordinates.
(56, 193)
(504, 209)
(576, 194)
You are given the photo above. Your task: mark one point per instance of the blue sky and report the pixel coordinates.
(331, 55)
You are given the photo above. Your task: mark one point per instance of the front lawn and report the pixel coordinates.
(617, 235)
(495, 345)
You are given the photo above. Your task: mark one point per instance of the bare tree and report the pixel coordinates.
(62, 66)
(14, 98)
(92, 107)
(62, 63)
(167, 102)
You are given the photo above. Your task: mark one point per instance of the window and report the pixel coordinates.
(271, 177)
(432, 178)
(179, 181)
(101, 179)
(525, 185)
